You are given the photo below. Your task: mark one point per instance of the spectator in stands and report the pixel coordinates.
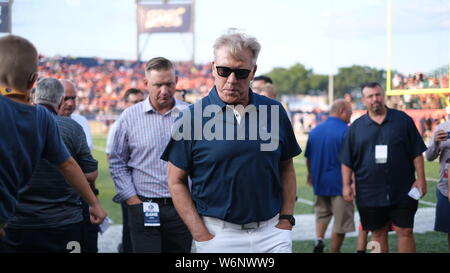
(132, 97)
(259, 81)
(48, 214)
(67, 109)
(139, 174)
(243, 196)
(31, 133)
(384, 149)
(324, 174)
(101, 83)
(439, 146)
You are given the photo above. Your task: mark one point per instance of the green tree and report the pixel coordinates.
(349, 78)
(294, 80)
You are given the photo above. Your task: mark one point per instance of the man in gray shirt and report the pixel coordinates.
(49, 214)
(440, 146)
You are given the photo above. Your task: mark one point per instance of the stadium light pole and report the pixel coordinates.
(138, 54)
(10, 3)
(330, 75)
(193, 30)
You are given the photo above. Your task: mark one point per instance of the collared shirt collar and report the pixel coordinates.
(49, 108)
(148, 108)
(335, 119)
(215, 99)
(388, 117)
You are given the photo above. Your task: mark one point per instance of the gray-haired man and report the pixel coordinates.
(49, 214)
(243, 188)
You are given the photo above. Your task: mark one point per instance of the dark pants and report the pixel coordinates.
(90, 232)
(127, 246)
(172, 236)
(49, 240)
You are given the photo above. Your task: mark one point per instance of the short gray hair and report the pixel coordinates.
(237, 42)
(49, 91)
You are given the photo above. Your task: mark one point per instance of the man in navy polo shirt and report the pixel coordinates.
(239, 160)
(384, 149)
(324, 174)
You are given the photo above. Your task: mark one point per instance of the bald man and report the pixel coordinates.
(69, 106)
(67, 109)
(324, 174)
(268, 90)
(31, 132)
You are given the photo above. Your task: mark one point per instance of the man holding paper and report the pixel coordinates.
(384, 150)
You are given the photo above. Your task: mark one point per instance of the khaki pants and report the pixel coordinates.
(343, 212)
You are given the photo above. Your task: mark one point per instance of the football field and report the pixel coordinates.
(428, 242)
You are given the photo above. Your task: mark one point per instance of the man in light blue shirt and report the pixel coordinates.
(139, 174)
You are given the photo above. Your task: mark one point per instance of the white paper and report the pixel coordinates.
(105, 225)
(414, 193)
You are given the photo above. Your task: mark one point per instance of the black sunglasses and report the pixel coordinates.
(70, 98)
(241, 74)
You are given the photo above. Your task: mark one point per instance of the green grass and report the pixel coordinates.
(432, 242)
(104, 182)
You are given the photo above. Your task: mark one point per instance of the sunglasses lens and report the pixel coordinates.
(242, 73)
(223, 71)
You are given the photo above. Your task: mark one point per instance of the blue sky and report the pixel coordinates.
(321, 34)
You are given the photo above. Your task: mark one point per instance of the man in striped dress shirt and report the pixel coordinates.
(140, 176)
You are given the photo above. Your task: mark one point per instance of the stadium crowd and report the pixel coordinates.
(102, 83)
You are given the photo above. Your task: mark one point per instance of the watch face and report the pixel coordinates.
(290, 218)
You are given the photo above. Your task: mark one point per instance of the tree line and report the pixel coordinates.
(298, 80)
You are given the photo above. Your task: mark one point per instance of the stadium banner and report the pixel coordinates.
(4, 17)
(164, 18)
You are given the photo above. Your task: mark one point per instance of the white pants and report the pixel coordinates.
(231, 238)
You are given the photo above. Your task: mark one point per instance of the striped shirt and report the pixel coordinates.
(140, 139)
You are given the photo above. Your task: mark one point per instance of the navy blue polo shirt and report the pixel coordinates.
(29, 134)
(379, 185)
(234, 179)
(322, 150)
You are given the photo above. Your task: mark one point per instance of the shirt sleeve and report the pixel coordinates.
(179, 149)
(84, 156)
(118, 163)
(55, 150)
(433, 150)
(290, 147)
(347, 149)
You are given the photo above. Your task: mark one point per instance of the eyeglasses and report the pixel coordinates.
(70, 98)
(241, 74)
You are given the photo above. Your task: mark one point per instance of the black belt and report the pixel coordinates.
(159, 201)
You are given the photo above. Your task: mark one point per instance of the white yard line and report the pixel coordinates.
(427, 203)
(432, 179)
(305, 201)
